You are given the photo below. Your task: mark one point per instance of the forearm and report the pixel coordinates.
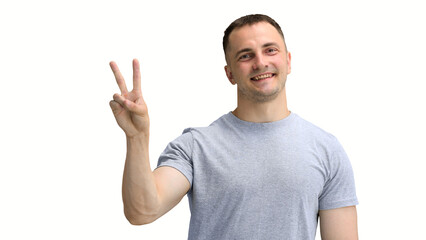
(140, 195)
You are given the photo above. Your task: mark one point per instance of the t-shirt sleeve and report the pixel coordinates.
(339, 189)
(178, 154)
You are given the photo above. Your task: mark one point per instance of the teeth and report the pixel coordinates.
(263, 76)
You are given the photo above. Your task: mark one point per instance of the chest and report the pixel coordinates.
(274, 169)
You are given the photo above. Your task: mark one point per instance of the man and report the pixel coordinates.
(258, 172)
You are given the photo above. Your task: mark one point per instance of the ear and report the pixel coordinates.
(229, 75)
(288, 62)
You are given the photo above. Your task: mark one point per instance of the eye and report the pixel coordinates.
(271, 51)
(244, 57)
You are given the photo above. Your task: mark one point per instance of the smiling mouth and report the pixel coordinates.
(262, 76)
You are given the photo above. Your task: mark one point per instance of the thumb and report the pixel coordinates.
(132, 107)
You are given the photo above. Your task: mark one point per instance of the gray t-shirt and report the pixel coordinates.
(260, 180)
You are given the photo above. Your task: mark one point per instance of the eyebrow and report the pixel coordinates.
(249, 49)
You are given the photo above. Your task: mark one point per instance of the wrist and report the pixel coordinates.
(138, 138)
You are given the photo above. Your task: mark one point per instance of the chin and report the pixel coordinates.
(259, 97)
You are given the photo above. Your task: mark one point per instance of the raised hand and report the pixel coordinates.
(129, 108)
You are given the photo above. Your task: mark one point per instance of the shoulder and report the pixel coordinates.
(214, 129)
(317, 135)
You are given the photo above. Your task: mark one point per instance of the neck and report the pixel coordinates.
(270, 111)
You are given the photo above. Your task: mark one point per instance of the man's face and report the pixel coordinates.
(258, 62)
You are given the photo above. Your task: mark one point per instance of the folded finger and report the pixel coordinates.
(115, 107)
(118, 98)
(127, 104)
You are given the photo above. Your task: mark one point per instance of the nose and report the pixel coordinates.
(259, 62)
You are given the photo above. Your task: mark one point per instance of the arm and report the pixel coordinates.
(147, 195)
(339, 224)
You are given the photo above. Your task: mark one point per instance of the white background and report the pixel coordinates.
(358, 72)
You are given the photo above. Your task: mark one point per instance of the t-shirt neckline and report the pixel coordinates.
(279, 123)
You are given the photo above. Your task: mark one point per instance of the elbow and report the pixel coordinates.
(138, 213)
(140, 219)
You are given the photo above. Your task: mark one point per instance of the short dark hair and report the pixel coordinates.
(249, 20)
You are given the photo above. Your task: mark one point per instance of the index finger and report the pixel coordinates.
(136, 75)
(118, 77)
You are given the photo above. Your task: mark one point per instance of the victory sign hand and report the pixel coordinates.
(129, 108)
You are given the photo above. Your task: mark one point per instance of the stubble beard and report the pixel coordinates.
(261, 97)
